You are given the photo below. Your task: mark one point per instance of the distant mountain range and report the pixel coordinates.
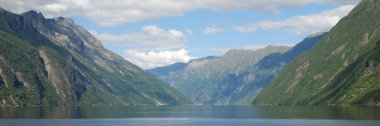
(342, 69)
(56, 62)
(234, 78)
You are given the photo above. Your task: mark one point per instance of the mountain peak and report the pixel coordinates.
(237, 51)
(33, 14)
(269, 47)
(204, 58)
(272, 48)
(64, 20)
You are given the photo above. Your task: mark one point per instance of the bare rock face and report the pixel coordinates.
(62, 80)
(82, 34)
(65, 33)
(3, 76)
(8, 75)
(24, 82)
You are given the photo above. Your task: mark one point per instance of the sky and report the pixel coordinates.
(154, 33)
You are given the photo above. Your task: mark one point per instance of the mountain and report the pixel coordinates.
(240, 87)
(56, 62)
(277, 60)
(226, 79)
(342, 69)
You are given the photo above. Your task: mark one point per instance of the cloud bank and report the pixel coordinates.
(301, 25)
(116, 12)
(212, 29)
(148, 48)
(152, 59)
(150, 37)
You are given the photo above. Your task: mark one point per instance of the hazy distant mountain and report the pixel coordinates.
(234, 78)
(226, 79)
(56, 62)
(277, 60)
(342, 69)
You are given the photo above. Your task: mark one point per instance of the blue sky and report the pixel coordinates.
(161, 32)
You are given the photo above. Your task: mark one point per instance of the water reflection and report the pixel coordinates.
(221, 112)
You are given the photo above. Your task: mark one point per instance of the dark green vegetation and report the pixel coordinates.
(55, 62)
(342, 69)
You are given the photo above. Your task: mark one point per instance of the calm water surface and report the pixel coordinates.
(189, 115)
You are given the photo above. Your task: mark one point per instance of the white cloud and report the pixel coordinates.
(212, 29)
(151, 47)
(251, 28)
(55, 8)
(152, 59)
(301, 25)
(115, 12)
(150, 37)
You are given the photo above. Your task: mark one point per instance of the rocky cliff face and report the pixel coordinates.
(65, 33)
(56, 62)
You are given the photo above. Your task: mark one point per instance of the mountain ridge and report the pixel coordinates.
(244, 82)
(211, 75)
(56, 62)
(340, 70)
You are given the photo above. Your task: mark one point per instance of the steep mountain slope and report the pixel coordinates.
(56, 62)
(277, 60)
(227, 79)
(343, 69)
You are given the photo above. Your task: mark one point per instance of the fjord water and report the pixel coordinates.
(189, 115)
